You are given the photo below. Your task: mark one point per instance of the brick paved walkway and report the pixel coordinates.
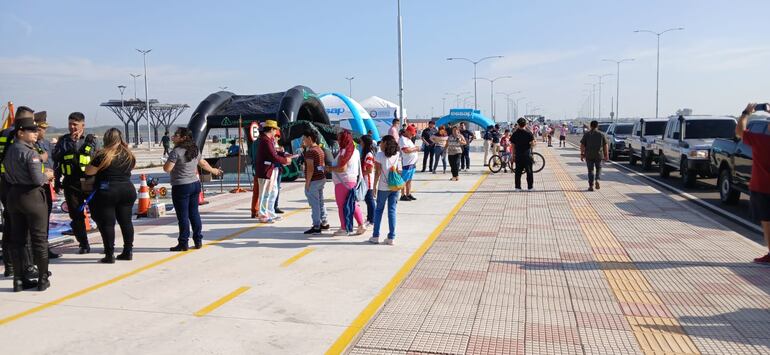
(623, 270)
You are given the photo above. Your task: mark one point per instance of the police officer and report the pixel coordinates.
(28, 271)
(73, 152)
(45, 149)
(27, 176)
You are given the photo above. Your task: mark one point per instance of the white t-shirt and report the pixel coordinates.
(407, 158)
(351, 168)
(386, 163)
(369, 161)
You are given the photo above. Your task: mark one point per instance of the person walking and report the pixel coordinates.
(72, 153)
(386, 160)
(522, 142)
(45, 149)
(114, 194)
(408, 160)
(454, 151)
(487, 143)
(593, 149)
(266, 173)
(368, 151)
(27, 176)
(427, 147)
(439, 148)
(465, 160)
(166, 142)
(505, 148)
(759, 185)
(315, 179)
(345, 175)
(182, 165)
(563, 135)
(395, 128)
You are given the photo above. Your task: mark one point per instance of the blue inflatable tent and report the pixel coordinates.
(341, 108)
(465, 115)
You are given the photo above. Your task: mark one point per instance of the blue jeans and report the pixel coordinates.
(370, 205)
(591, 165)
(315, 197)
(185, 198)
(391, 198)
(438, 152)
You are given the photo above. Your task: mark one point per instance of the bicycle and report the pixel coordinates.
(496, 162)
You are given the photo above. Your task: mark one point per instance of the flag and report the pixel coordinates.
(9, 120)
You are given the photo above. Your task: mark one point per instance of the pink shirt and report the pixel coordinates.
(393, 131)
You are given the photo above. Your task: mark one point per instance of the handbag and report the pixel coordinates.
(361, 188)
(87, 184)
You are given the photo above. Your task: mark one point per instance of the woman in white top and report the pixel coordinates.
(386, 160)
(368, 150)
(345, 175)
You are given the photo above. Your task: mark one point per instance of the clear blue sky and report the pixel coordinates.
(63, 56)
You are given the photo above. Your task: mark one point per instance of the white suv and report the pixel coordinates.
(641, 142)
(686, 143)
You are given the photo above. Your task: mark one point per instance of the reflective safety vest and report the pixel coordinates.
(5, 142)
(69, 163)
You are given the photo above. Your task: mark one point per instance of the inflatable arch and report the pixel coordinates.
(465, 115)
(344, 108)
(223, 110)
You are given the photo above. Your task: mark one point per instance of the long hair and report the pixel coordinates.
(186, 142)
(367, 146)
(345, 140)
(389, 146)
(115, 148)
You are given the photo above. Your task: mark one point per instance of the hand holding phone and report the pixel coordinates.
(762, 107)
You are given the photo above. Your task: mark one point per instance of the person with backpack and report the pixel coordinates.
(388, 180)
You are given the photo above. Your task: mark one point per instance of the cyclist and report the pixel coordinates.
(522, 142)
(505, 149)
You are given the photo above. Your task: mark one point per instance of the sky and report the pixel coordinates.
(64, 56)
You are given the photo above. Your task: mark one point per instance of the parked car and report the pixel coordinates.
(686, 144)
(616, 135)
(603, 126)
(731, 162)
(641, 142)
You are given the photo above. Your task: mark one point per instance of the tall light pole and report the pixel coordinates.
(508, 102)
(465, 100)
(457, 96)
(492, 92)
(516, 106)
(400, 69)
(657, 70)
(350, 85)
(135, 76)
(443, 105)
(592, 93)
(617, 82)
(475, 62)
(600, 90)
(122, 88)
(146, 97)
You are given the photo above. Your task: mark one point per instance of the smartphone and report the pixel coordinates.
(762, 107)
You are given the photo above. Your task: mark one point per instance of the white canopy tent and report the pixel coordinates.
(381, 109)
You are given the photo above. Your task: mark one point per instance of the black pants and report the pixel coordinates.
(7, 248)
(75, 198)
(465, 159)
(427, 157)
(115, 203)
(30, 218)
(524, 164)
(454, 164)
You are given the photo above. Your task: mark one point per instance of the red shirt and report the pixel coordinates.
(760, 161)
(266, 156)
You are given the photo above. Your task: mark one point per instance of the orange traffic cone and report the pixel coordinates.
(201, 200)
(88, 219)
(144, 198)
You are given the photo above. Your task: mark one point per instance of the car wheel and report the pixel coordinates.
(665, 171)
(646, 160)
(688, 176)
(727, 194)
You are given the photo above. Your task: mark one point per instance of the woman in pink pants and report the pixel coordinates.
(344, 175)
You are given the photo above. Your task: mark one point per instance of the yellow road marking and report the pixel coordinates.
(374, 305)
(113, 280)
(218, 303)
(294, 258)
(655, 335)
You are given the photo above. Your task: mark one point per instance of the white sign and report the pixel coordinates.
(254, 131)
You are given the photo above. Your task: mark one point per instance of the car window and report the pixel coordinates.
(676, 130)
(654, 128)
(758, 127)
(603, 127)
(623, 129)
(704, 129)
(637, 129)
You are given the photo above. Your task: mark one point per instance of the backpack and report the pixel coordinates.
(395, 180)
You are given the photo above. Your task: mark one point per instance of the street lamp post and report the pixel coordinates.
(443, 105)
(475, 62)
(600, 90)
(592, 96)
(350, 85)
(457, 96)
(617, 83)
(516, 106)
(657, 70)
(492, 92)
(146, 97)
(400, 69)
(122, 88)
(135, 76)
(508, 102)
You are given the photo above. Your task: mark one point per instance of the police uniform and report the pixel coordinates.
(5, 141)
(44, 146)
(25, 172)
(71, 157)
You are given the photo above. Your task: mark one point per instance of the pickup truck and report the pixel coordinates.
(686, 144)
(616, 135)
(642, 140)
(731, 162)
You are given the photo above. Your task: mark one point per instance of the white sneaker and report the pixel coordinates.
(374, 240)
(341, 232)
(360, 230)
(388, 241)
